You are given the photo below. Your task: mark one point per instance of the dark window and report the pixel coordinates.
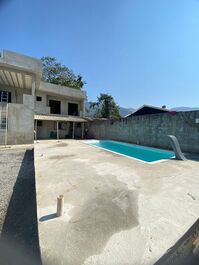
(39, 123)
(5, 96)
(73, 109)
(39, 98)
(3, 123)
(55, 107)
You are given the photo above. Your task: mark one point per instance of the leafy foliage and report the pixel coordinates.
(56, 73)
(105, 107)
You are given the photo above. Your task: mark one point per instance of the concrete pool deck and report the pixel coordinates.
(117, 210)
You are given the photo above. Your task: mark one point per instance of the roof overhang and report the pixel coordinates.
(58, 118)
(62, 91)
(13, 78)
(19, 71)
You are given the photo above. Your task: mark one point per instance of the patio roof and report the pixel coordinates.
(51, 117)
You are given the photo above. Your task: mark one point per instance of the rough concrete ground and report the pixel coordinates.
(10, 161)
(117, 210)
(18, 219)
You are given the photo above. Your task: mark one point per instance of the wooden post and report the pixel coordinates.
(57, 130)
(73, 136)
(82, 130)
(60, 205)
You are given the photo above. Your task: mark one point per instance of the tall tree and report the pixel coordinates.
(105, 107)
(56, 73)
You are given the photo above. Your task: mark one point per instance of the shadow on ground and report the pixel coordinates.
(194, 157)
(182, 252)
(19, 243)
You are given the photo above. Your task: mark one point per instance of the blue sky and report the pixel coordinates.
(139, 51)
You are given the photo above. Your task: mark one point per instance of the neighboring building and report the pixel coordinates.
(30, 107)
(146, 110)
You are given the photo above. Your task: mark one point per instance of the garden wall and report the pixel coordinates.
(151, 130)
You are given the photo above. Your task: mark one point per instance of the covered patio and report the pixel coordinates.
(72, 123)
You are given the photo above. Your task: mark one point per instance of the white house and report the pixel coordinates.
(32, 108)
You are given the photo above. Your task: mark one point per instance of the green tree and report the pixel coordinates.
(105, 107)
(56, 73)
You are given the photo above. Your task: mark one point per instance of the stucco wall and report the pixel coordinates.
(16, 93)
(22, 61)
(20, 124)
(62, 91)
(44, 131)
(151, 130)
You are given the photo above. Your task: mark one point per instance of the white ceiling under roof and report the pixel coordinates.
(15, 79)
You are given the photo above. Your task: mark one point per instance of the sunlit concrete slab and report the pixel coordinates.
(117, 210)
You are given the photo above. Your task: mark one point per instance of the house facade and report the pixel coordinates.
(31, 108)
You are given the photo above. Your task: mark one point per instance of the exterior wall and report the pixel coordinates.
(64, 94)
(21, 61)
(62, 91)
(20, 124)
(16, 93)
(151, 130)
(44, 131)
(41, 107)
(17, 96)
(48, 127)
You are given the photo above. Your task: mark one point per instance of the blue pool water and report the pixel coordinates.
(146, 154)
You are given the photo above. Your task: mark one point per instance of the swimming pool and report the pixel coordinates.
(141, 153)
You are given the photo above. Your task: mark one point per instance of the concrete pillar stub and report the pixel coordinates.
(60, 205)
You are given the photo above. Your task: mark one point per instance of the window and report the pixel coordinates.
(5, 96)
(73, 109)
(55, 107)
(38, 98)
(2, 123)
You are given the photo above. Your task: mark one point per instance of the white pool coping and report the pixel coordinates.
(92, 141)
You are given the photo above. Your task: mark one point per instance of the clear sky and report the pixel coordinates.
(139, 51)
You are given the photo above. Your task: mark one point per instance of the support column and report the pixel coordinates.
(73, 136)
(83, 108)
(57, 130)
(35, 130)
(33, 90)
(82, 130)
